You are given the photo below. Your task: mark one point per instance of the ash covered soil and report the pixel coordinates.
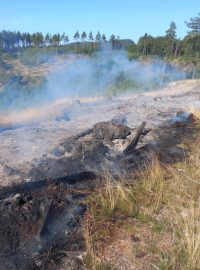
(51, 157)
(46, 142)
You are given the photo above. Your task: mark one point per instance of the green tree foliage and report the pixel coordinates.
(56, 39)
(77, 36)
(194, 25)
(47, 39)
(37, 39)
(167, 46)
(98, 36)
(171, 39)
(90, 36)
(104, 37)
(191, 45)
(171, 32)
(112, 38)
(83, 36)
(66, 39)
(145, 44)
(28, 40)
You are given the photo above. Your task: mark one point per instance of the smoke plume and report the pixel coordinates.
(107, 73)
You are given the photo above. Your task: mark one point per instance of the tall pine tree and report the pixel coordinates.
(171, 32)
(194, 25)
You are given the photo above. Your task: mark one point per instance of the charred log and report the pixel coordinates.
(33, 185)
(134, 141)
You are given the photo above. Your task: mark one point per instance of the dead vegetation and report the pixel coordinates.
(151, 223)
(146, 220)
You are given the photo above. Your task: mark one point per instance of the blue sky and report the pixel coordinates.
(126, 18)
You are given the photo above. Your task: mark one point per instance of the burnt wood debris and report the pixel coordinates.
(40, 219)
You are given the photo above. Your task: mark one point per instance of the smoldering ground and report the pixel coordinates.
(106, 74)
(108, 71)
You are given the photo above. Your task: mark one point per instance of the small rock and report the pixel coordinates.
(80, 260)
(182, 117)
(119, 119)
(135, 238)
(141, 254)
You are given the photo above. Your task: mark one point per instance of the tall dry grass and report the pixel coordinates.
(170, 189)
(194, 110)
(176, 189)
(114, 199)
(116, 196)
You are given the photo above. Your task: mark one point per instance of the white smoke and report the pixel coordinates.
(94, 76)
(108, 73)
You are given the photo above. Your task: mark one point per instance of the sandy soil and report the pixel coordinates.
(40, 70)
(27, 135)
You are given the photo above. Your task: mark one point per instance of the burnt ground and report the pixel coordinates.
(32, 140)
(40, 221)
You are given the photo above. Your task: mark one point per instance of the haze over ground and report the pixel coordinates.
(99, 136)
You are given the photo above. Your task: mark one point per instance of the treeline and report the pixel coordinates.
(11, 40)
(168, 46)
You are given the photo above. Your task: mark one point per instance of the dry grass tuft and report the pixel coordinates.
(176, 189)
(166, 198)
(116, 196)
(91, 259)
(194, 110)
(188, 223)
(154, 184)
